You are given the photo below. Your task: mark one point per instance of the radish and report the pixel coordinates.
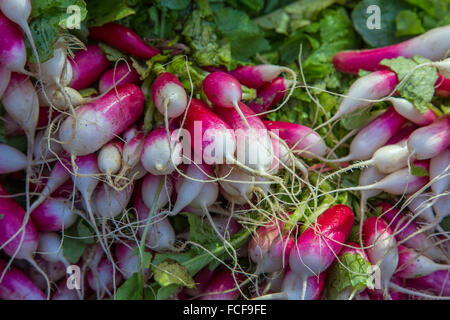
(442, 86)
(381, 248)
(414, 265)
(206, 198)
(149, 188)
(50, 248)
(440, 170)
(54, 214)
(432, 45)
(109, 203)
(259, 75)
(223, 286)
(110, 158)
(87, 66)
(253, 145)
(438, 282)
(292, 286)
(406, 232)
(13, 53)
(159, 157)
(236, 185)
(122, 73)
(211, 138)
(189, 185)
(16, 285)
(98, 122)
(54, 270)
(422, 208)
(5, 75)
(201, 279)
(318, 246)
(427, 142)
(124, 39)
(408, 111)
(127, 259)
(168, 95)
(106, 279)
(132, 150)
(11, 159)
(46, 146)
(441, 207)
(160, 236)
(269, 95)
(18, 237)
(270, 249)
(304, 140)
(377, 294)
(64, 293)
(402, 134)
(57, 70)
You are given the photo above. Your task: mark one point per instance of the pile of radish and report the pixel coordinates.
(211, 154)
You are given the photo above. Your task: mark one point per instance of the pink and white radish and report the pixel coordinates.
(5, 75)
(269, 95)
(54, 270)
(169, 95)
(50, 248)
(11, 159)
(438, 282)
(127, 259)
(440, 170)
(124, 39)
(159, 156)
(236, 185)
(54, 214)
(109, 203)
(16, 285)
(408, 111)
(223, 286)
(110, 158)
(122, 73)
(106, 278)
(149, 188)
(98, 122)
(259, 75)
(13, 54)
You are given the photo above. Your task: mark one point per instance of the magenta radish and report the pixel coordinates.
(160, 236)
(16, 285)
(421, 207)
(432, 45)
(427, 142)
(318, 246)
(109, 203)
(107, 278)
(253, 145)
(211, 138)
(87, 66)
(292, 286)
(381, 248)
(132, 151)
(440, 170)
(13, 53)
(223, 286)
(406, 232)
(378, 294)
(85, 178)
(50, 248)
(236, 185)
(110, 158)
(5, 75)
(269, 95)
(150, 187)
(128, 259)
(113, 113)
(408, 111)
(62, 292)
(414, 265)
(11, 159)
(124, 39)
(270, 249)
(402, 134)
(300, 138)
(438, 282)
(442, 87)
(202, 278)
(21, 102)
(222, 89)
(256, 76)
(122, 73)
(54, 270)
(189, 185)
(168, 95)
(54, 214)
(159, 157)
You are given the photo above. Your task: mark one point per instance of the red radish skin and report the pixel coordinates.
(222, 89)
(124, 39)
(16, 285)
(113, 77)
(381, 248)
(269, 95)
(113, 113)
(13, 53)
(394, 295)
(269, 249)
(414, 265)
(62, 292)
(298, 137)
(432, 45)
(159, 157)
(427, 142)
(54, 214)
(223, 280)
(438, 283)
(87, 66)
(169, 95)
(404, 229)
(256, 76)
(317, 247)
(209, 134)
(402, 134)
(202, 279)
(11, 159)
(442, 86)
(253, 145)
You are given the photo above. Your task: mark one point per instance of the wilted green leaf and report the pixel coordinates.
(171, 272)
